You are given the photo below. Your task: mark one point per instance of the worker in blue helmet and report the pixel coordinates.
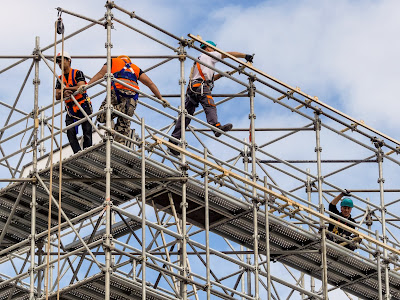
(201, 83)
(345, 212)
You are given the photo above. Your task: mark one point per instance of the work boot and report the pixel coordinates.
(172, 151)
(225, 128)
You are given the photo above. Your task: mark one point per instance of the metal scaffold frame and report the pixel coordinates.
(135, 222)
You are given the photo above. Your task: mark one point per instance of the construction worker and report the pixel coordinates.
(124, 99)
(72, 80)
(345, 206)
(201, 83)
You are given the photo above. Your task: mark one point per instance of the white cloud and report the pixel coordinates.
(343, 51)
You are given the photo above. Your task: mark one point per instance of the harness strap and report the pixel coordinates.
(200, 71)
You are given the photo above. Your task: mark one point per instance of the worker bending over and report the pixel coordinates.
(201, 83)
(72, 80)
(123, 98)
(345, 206)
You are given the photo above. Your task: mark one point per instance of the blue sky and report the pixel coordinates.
(345, 52)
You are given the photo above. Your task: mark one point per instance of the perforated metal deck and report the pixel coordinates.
(17, 292)
(92, 288)
(347, 270)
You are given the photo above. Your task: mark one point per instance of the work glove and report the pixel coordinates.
(346, 193)
(249, 58)
(81, 88)
(165, 103)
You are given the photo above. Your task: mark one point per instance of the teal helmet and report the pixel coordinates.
(203, 46)
(347, 202)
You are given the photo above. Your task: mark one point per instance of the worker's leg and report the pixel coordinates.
(190, 105)
(87, 127)
(210, 109)
(71, 134)
(123, 125)
(101, 118)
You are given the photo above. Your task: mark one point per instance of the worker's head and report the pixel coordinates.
(67, 60)
(206, 47)
(125, 58)
(346, 205)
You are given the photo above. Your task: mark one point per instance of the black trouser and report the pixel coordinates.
(194, 97)
(86, 128)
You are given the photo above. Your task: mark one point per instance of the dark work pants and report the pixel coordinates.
(192, 100)
(86, 128)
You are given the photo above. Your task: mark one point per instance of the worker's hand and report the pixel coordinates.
(67, 93)
(165, 103)
(81, 88)
(346, 193)
(249, 58)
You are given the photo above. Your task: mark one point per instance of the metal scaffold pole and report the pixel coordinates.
(36, 82)
(184, 205)
(242, 256)
(318, 150)
(268, 252)
(381, 181)
(207, 227)
(379, 268)
(308, 189)
(252, 117)
(143, 195)
(108, 170)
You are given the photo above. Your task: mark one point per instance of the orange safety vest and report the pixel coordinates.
(81, 98)
(126, 72)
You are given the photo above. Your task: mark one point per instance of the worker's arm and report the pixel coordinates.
(143, 78)
(337, 199)
(58, 94)
(67, 93)
(235, 54)
(217, 76)
(75, 88)
(247, 57)
(99, 75)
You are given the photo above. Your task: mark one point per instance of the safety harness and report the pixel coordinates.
(71, 108)
(199, 82)
(129, 75)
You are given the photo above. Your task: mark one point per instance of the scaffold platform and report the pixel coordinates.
(230, 217)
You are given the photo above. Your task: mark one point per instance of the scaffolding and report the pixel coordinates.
(237, 217)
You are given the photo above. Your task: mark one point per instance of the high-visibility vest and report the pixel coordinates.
(126, 72)
(81, 98)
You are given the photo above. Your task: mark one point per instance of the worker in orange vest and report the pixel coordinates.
(123, 98)
(72, 80)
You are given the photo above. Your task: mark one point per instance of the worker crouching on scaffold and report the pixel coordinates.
(123, 98)
(201, 83)
(72, 80)
(345, 206)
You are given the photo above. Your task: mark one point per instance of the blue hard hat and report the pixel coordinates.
(203, 46)
(347, 202)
